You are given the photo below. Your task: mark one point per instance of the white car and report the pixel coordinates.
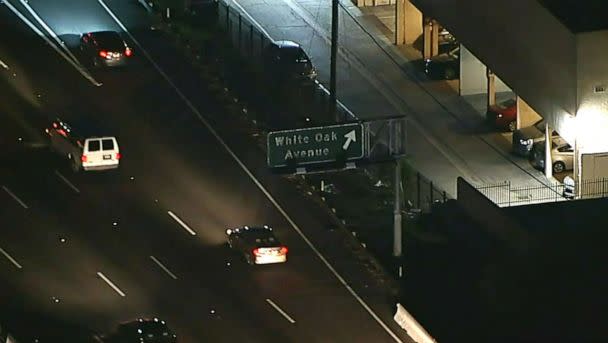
(562, 155)
(88, 152)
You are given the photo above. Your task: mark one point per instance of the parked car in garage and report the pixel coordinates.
(562, 155)
(286, 62)
(523, 139)
(503, 116)
(444, 66)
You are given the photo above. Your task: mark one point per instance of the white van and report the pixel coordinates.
(88, 152)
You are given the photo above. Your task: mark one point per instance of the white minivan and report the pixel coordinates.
(88, 152)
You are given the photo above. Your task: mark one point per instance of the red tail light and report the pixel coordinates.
(103, 53)
(128, 52)
(83, 158)
(118, 156)
(256, 252)
(284, 250)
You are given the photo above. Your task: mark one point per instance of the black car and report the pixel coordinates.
(257, 244)
(142, 331)
(444, 66)
(105, 48)
(286, 61)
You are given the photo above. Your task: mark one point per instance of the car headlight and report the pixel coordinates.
(499, 115)
(526, 141)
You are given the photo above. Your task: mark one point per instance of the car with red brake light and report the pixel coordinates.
(83, 147)
(257, 244)
(105, 48)
(503, 116)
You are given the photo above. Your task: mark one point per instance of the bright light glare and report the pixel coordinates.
(591, 125)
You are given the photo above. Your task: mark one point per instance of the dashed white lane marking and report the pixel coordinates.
(46, 39)
(67, 182)
(49, 30)
(283, 313)
(4, 65)
(10, 258)
(162, 266)
(181, 222)
(111, 284)
(252, 177)
(16, 198)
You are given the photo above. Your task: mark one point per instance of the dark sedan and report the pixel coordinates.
(286, 62)
(105, 48)
(257, 244)
(142, 331)
(444, 66)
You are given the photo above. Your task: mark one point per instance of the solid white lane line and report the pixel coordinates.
(10, 258)
(4, 65)
(67, 182)
(78, 67)
(15, 197)
(253, 178)
(276, 307)
(162, 266)
(181, 222)
(48, 29)
(111, 284)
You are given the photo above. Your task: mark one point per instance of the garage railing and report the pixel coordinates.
(504, 194)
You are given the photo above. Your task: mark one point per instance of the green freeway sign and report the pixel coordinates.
(315, 145)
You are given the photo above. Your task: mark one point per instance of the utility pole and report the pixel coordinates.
(334, 51)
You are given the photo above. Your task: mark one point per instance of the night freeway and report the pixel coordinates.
(94, 249)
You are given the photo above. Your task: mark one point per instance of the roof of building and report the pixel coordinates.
(579, 15)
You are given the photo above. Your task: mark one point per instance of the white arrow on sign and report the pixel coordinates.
(350, 137)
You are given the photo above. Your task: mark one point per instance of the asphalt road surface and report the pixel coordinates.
(82, 252)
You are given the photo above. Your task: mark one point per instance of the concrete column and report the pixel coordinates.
(408, 22)
(576, 169)
(491, 87)
(400, 22)
(548, 157)
(426, 39)
(526, 116)
(434, 38)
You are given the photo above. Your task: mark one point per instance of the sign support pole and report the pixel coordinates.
(397, 222)
(334, 53)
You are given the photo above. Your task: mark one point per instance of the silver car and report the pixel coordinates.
(562, 155)
(524, 139)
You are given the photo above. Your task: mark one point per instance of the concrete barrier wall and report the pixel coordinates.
(411, 326)
(489, 216)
